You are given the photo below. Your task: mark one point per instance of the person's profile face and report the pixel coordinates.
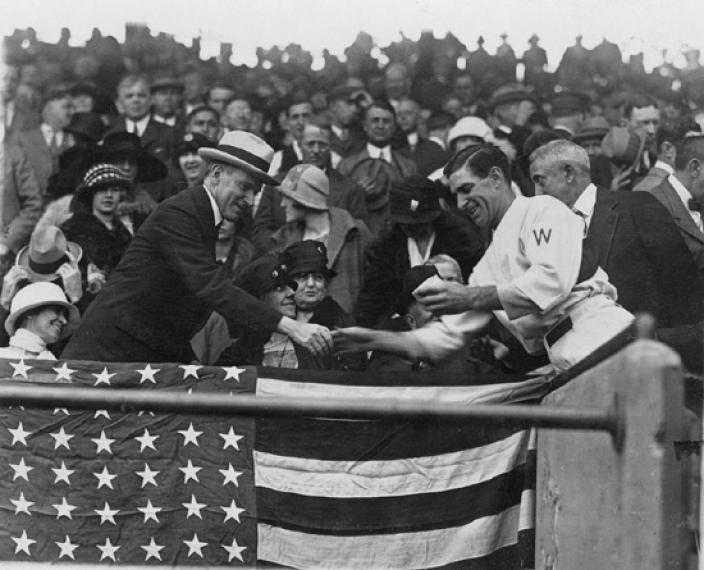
(280, 298)
(48, 323)
(234, 192)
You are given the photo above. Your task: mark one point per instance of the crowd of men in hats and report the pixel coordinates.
(432, 213)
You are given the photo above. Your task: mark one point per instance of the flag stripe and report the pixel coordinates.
(392, 514)
(364, 479)
(494, 393)
(423, 549)
(330, 440)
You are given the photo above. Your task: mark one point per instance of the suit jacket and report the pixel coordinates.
(692, 235)
(164, 289)
(654, 178)
(21, 200)
(157, 138)
(428, 156)
(39, 156)
(635, 241)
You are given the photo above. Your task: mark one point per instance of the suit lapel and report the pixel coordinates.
(680, 213)
(204, 211)
(603, 224)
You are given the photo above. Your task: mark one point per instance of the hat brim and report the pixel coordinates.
(301, 200)
(309, 268)
(221, 156)
(74, 317)
(22, 259)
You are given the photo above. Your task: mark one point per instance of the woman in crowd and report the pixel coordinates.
(40, 316)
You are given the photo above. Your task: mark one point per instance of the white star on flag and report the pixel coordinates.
(63, 372)
(61, 410)
(231, 439)
(61, 438)
(103, 443)
(64, 509)
(146, 440)
(190, 472)
(19, 435)
(230, 475)
(22, 505)
(234, 550)
(103, 413)
(67, 548)
(232, 512)
(147, 374)
(105, 478)
(190, 370)
(190, 435)
(62, 474)
(103, 377)
(107, 550)
(194, 508)
(233, 372)
(147, 476)
(152, 549)
(107, 514)
(21, 470)
(21, 369)
(149, 511)
(23, 543)
(195, 546)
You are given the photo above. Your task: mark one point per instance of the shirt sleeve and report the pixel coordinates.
(440, 339)
(551, 243)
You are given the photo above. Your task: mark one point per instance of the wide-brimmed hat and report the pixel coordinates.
(262, 275)
(469, 127)
(87, 125)
(307, 185)
(48, 249)
(307, 256)
(243, 150)
(37, 295)
(102, 176)
(414, 200)
(189, 144)
(122, 143)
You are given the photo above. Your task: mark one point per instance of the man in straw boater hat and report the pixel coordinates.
(168, 281)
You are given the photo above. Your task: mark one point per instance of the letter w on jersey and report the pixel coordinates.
(542, 235)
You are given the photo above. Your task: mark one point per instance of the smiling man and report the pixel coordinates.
(168, 281)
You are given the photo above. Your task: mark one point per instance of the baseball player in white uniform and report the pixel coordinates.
(531, 277)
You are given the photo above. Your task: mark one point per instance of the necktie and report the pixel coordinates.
(694, 205)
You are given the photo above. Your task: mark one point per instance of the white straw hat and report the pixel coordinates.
(243, 150)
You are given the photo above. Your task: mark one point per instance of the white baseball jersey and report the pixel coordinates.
(533, 261)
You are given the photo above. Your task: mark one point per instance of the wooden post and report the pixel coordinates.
(600, 505)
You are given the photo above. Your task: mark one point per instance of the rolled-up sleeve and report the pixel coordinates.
(440, 339)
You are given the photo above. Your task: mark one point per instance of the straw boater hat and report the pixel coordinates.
(37, 295)
(48, 250)
(243, 150)
(307, 185)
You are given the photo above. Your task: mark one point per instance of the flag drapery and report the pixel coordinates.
(177, 489)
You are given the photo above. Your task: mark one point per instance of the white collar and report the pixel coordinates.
(586, 202)
(684, 194)
(412, 139)
(170, 121)
(439, 141)
(139, 126)
(49, 133)
(297, 149)
(662, 165)
(28, 341)
(337, 130)
(216, 211)
(382, 153)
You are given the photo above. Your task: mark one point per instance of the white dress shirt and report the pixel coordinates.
(381, 153)
(277, 159)
(216, 211)
(137, 127)
(414, 254)
(48, 134)
(662, 165)
(686, 196)
(584, 206)
(170, 121)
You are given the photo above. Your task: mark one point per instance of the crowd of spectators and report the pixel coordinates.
(359, 206)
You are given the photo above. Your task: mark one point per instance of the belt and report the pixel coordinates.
(558, 331)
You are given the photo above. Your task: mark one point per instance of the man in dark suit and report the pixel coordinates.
(133, 103)
(682, 194)
(168, 281)
(428, 155)
(628, 234)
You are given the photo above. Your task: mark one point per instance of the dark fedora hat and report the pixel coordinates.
(89, 126)
(121, 143)
(307, 256)
(415, 200)
(166, 82)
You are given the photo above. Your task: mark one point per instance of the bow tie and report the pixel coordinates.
(694, 205)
